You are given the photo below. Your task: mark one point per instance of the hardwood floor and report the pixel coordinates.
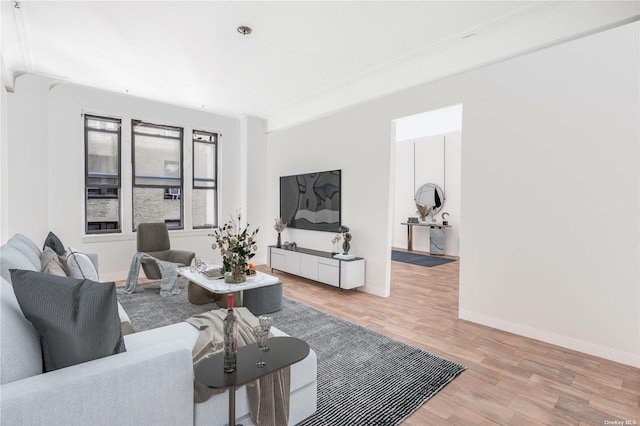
(510, 380)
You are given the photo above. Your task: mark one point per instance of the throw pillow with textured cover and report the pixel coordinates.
(51, 263)
(77, 319)
(80, 265)
(54, 242)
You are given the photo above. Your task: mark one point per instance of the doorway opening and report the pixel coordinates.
(426, 152)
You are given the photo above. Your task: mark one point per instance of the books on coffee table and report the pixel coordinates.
(213, 274)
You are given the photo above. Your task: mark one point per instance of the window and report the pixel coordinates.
(205, 180)
(157, 174)
(102, 174)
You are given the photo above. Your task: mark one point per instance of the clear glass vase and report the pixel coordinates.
(237, 275)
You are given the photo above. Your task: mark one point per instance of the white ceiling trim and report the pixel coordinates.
(307, 59)
(562, 21)
(424, 50)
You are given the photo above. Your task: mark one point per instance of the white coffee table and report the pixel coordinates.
(259, 280)
(218, 286)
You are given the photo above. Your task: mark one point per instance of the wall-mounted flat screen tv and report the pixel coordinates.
(311, 200)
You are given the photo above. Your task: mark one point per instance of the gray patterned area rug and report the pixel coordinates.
(364, 378)
(146, 309)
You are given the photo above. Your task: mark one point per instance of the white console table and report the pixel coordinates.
(318, 266)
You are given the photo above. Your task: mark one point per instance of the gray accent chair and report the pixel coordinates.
(153, 239)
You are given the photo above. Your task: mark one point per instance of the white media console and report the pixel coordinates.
(318, 266)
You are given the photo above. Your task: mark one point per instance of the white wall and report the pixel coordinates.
(4, 164)
(436, 159)
(359, 146)
(26, 159)
(257, 200)
(551, 146)
(550, 236)
(46, 166)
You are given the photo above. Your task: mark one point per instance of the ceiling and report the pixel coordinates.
(303, 59)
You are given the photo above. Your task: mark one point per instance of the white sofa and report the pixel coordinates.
(149, 384)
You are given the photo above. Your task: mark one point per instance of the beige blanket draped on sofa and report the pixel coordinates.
(269, 395)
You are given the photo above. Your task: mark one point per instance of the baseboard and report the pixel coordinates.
(605, 352)
(117, 276)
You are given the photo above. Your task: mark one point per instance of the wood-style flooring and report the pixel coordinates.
(510, 380)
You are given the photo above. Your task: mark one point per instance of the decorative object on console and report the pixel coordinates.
(335, 242)
(237, 246)
(279, 226)
(346, 236)
(412, 220)
(444, 218)
(291, 246)
(423, 212)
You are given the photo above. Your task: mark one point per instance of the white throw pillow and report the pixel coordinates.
(81, 266)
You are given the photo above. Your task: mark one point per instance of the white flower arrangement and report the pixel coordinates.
(236, 245)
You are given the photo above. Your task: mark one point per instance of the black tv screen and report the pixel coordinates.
(311, 200)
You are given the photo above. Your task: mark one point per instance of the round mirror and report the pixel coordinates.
(431, 197)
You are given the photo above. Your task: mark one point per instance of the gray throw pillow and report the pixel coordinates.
(54, 242)
(77, 319)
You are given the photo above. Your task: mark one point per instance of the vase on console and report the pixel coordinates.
(423, 212)
(279, 226)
